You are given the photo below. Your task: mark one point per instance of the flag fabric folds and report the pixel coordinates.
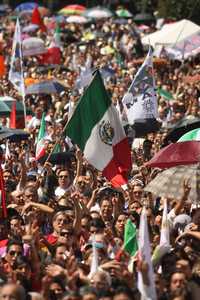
(147, 292)
(130, 239)
(53, 55)
(36, 19)
(2, 195)
(13, 116)
(140, 102)
(95, 127)
(40, 147)
(16, 75)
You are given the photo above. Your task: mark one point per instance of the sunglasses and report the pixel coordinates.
(13, 253)
(66, 233)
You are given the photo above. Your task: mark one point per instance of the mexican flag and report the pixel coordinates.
(40, 147)
(95, 127)
(53, 55)
(130, 238)
(192, 135)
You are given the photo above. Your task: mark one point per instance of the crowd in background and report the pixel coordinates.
(55, 209)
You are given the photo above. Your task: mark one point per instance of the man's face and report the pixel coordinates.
(64, 179)
(9, 292)
(137, 192)
(178, 281)
(106, 209)
(13, 252)
(15, 226)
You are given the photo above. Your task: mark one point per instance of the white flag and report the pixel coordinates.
(94, 264)
(140, 102)
(7, 153)
(16, 75)
(147, 292)
(164, 234)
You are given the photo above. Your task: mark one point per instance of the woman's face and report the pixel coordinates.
(120, 223)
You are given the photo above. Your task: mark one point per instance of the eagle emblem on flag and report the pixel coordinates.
(106, 132)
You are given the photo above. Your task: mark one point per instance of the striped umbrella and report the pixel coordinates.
(169, 183)
(73, 9)
(46, 87)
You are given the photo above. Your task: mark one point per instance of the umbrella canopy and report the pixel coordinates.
(181, 127)
(4, 109)
(46, 87)
(123, 13)
(73, 9)
(184, 153)
(58, 158)
(30, 28)
(25, 6)
(169, 182)
(77, 19)
(6, 103)
(14, 135)
(144, 18)
(193, 135)
(33, 46)
(98, 13)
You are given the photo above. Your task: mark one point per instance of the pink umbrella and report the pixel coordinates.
(183, 153)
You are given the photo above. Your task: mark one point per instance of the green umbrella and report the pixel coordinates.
(8, 102)
(123, 13)
(4, 109)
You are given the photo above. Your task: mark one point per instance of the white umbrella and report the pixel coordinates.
(33, 46)
(98, 13)
(30, 28)
(77, 19)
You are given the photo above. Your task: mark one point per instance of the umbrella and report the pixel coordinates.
(30, 28)
(181, 127)
(25, 6)
(98, 12)
(14, 135)
(77, 19)
(169, 182)
(73, 9)
(123, 13)
(33, 46)
(8, 101)
(4, 109)
(144, 18)
(183, 153)
(58, 158)
(46, 87)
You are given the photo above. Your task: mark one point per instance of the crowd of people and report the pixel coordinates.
(57, 208)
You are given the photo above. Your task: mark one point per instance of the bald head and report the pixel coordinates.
(12, 291)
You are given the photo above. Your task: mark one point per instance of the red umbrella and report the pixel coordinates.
(183, 153)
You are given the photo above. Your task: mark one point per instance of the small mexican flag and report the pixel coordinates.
(95, 127)
(130, 239)
(165, 94)
(40, 147)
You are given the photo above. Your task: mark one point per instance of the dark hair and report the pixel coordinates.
(21, 260)
(124, 290)
(98, 223)
(15, 241)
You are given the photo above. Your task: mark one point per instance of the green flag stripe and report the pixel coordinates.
(89, 111)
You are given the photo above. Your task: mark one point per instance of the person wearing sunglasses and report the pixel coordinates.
(13, 250)
(64, 182)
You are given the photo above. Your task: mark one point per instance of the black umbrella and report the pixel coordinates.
(181, 127)
(14, 135)
(142, 127)
(58, 158)
(144, 18)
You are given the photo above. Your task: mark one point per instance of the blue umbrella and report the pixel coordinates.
(46, 87)
(25, 6)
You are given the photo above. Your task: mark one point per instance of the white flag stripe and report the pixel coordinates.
(147, 292)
